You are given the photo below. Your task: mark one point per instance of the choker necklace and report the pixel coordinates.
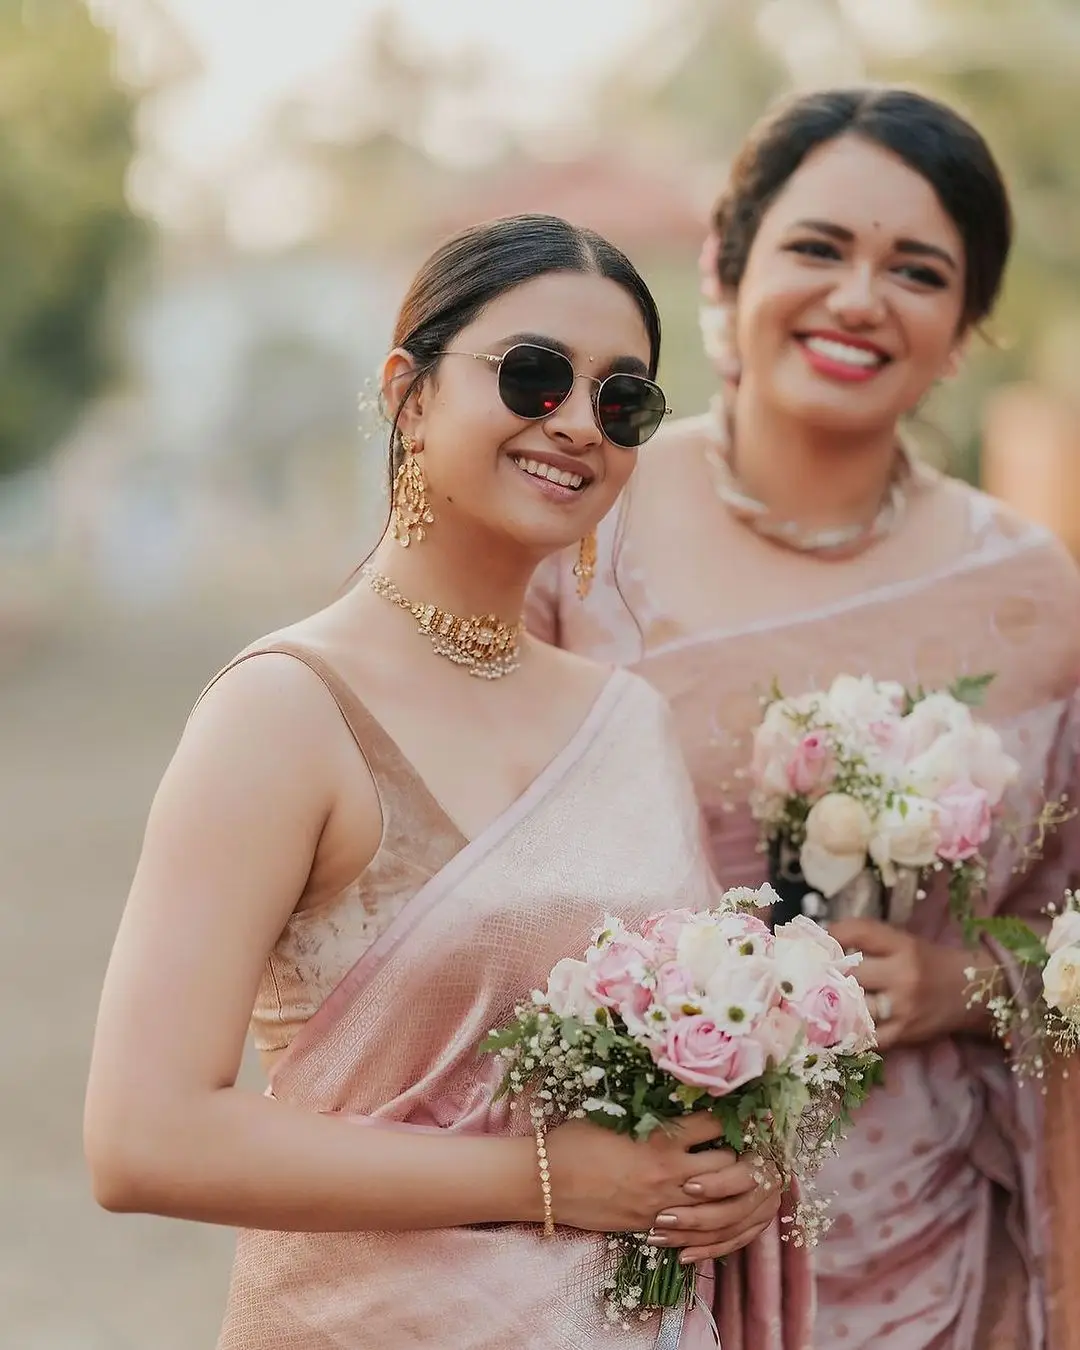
(482, 644)
(842, 541)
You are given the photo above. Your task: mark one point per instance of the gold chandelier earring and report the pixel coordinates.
(585, 567)
(410, 512)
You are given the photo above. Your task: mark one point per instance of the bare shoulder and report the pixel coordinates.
(686, 436)
(991, 518)
(271, 701)
(567, 674)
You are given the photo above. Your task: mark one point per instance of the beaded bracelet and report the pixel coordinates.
(545, 1173)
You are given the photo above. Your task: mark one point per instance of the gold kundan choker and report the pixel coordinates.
(482, 644)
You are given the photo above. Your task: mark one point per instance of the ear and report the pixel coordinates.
(397, 376)
(955, 363)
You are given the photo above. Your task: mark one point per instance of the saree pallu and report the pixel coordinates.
(395, 1047)
(955, 1199)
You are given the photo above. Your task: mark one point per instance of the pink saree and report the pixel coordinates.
(941, 1229)
(394, 1046)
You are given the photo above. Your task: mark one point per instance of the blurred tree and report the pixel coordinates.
(1012, 69)
(700, 77)
(376, 129)
(66, 141)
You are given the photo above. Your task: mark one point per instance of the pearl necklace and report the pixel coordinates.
(843, 541)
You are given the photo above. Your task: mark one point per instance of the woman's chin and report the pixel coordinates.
(544, 530)
(839, 415)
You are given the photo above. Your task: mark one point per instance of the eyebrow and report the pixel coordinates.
(914, 247)
(624, 365)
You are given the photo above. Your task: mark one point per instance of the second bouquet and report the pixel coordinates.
(865, 788)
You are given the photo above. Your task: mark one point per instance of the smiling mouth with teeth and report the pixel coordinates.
(859, 358)
(574, 481)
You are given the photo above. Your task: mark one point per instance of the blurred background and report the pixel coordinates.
(208, 211)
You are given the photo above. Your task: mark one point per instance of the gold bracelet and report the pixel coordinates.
(545, 1174)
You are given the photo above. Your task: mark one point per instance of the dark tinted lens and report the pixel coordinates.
(629, 409)
(533, 382)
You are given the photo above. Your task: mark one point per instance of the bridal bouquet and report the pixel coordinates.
(1051, 1021)
(698, 1011)
(863, 789)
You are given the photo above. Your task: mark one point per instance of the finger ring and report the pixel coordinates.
(881, 1008)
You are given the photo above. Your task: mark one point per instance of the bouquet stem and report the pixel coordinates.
(648, 1278)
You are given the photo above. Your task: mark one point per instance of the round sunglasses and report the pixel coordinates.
(535, 381)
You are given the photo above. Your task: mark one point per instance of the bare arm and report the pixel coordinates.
(228, 851)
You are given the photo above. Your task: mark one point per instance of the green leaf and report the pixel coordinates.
(971, 689)
(501, 1040)
(688, 1095)
(1015, 936)
(646, 1125)
(912, 697)
(733, 1133)
(570, 1030)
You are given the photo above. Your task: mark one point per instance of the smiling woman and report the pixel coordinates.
(372, 858)
(791, 535)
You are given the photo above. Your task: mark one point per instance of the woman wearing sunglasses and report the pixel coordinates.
(382, 828)
(790, 534)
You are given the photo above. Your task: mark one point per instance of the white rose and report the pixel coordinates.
(945, 762)
(905, 835)
(1061, 981)
(1064, 931)
(568, 990)
(739, 993)
(858, 701)
(803, 954)
(991, 768)
(932, 717)
(838, 831)
(703, 949)
(812, 941)
(966, 755)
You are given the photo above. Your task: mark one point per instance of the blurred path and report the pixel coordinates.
(87, 722)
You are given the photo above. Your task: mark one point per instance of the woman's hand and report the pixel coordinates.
(917, 990)
(732, 1208)
(709, 1203)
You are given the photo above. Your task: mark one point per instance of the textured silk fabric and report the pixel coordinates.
(321, 943)
(922, 1250)
(394, 1046)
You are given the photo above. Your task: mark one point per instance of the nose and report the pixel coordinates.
(855, 301)
(573, 423)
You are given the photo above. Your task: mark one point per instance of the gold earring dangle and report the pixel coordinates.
(585, 567)
(411, 511)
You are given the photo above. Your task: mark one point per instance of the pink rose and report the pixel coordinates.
(696, 1051)
(834, 1013)
(661, 931)
(776, 740)
(568, 990)
(963, 821)
(674, 988)
(616, 972)
(812, 766)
